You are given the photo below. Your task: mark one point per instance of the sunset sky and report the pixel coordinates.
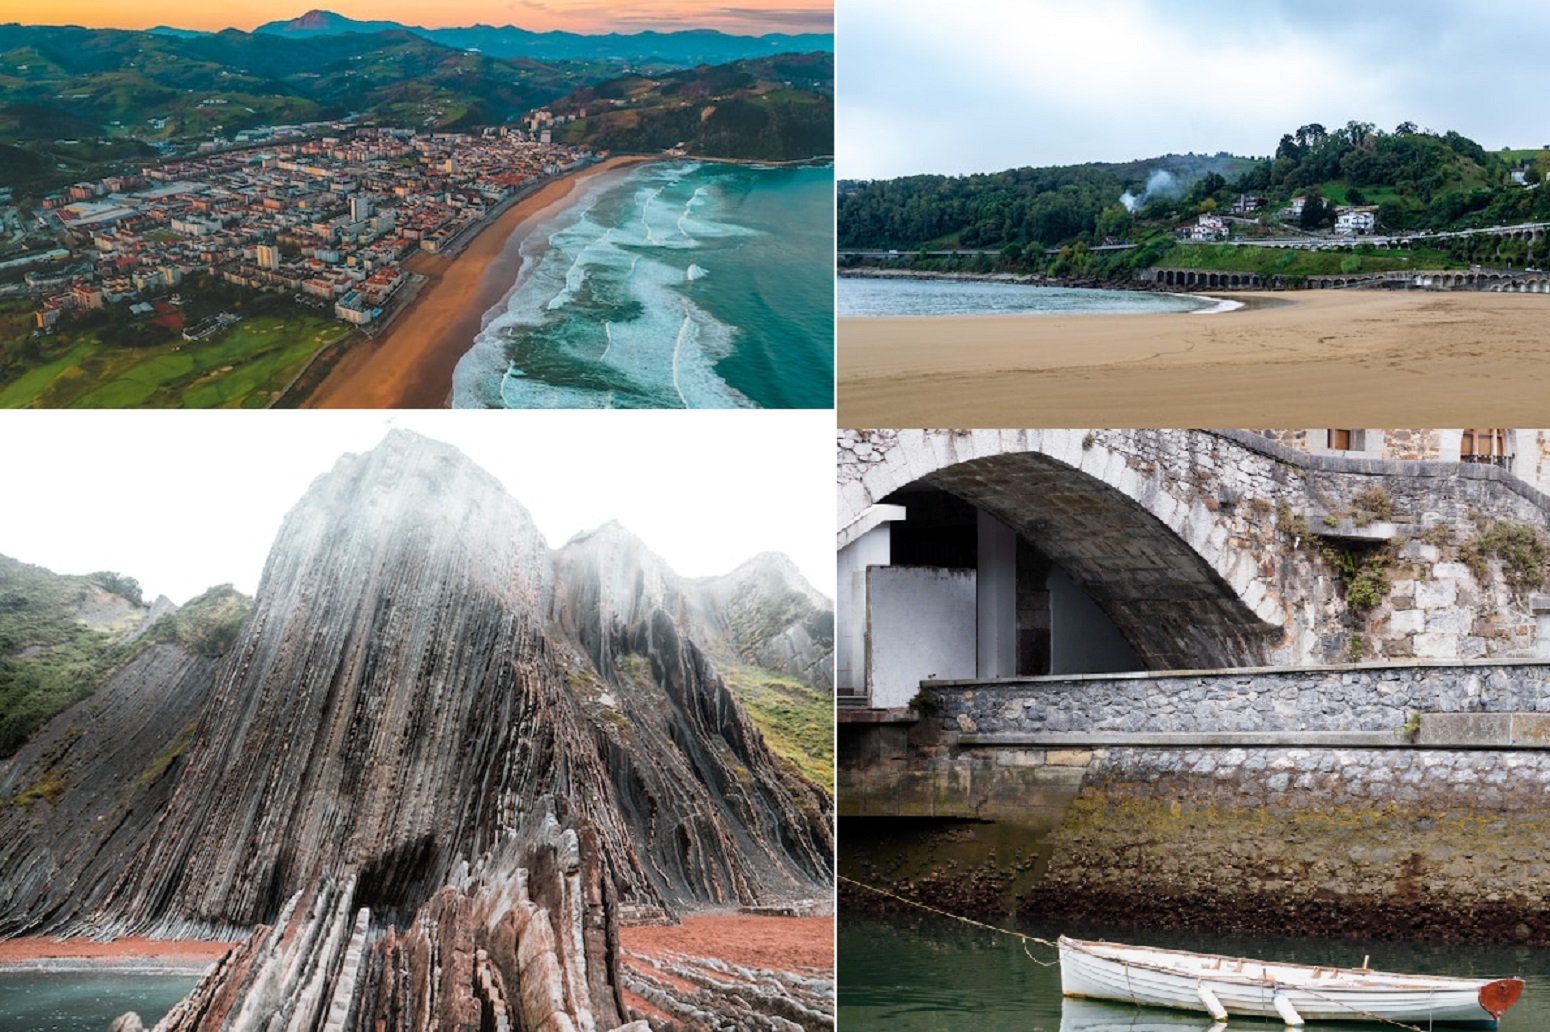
(749, 17)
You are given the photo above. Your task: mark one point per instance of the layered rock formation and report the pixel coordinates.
(771, 617)
(434, 764)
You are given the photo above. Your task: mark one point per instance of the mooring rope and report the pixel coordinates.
(1026, 938)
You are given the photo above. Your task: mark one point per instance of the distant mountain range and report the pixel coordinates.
(58, 81)
(676, 49)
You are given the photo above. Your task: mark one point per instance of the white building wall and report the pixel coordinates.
(921, 626)
(872, 548)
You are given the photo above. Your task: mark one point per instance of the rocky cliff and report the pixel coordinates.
(771, 617)
(433, 765)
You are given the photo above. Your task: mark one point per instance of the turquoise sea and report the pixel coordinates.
(76, 1001)
(865, 296)
(676, 284)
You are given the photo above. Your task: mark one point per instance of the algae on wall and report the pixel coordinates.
(1447, 844)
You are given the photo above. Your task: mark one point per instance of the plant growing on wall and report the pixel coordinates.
(924, 703)
(1519, 547)
(1363, 574)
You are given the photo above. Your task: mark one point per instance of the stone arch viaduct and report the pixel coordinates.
(1188, 540)
(1492, 281)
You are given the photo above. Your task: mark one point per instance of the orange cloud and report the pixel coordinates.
(748, 17)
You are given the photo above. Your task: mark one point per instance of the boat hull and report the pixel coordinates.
(1173, 978)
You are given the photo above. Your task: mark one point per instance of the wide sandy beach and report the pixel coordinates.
(410, 366)
(1325, 358)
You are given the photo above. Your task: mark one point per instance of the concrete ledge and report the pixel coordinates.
(1189, 739)
(1346, 529)
(1437, 731)
(1155, 675)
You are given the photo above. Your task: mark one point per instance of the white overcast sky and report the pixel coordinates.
(182, 501)
(986, 85)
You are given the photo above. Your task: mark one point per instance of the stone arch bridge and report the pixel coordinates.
(1150, 790)
(1205, 548)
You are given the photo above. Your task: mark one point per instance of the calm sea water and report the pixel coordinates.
(670, 285)
(930, 974)
(75, 1001)
(861, 296)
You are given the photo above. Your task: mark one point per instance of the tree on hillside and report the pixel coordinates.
(1393, 215)
(1206, 187)
(1316, 212)
(118, 584)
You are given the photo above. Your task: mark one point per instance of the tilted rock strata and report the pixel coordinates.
(771, 617)
(431, 723)
(81, 796)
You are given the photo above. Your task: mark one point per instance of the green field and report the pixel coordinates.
(246, 366)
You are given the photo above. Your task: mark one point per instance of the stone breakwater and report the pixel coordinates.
(1453, 845)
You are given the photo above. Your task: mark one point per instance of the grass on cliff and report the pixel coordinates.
(797, 721)
(206, 625)
(50, 660)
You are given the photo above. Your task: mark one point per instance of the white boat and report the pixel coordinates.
(1102, 1016)
(1221, 986)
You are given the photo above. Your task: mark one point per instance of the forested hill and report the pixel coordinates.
(1415, 178)
(158, 88)
(773, 109)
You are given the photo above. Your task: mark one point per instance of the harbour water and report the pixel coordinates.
(930, 974)
(866, 296)
(83, 1001)
(673, 284)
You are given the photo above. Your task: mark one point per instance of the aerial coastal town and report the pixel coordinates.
(331, 220)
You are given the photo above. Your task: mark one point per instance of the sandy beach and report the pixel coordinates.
(782, 943)
(136, 952)
(410, 366)
(1325, 358)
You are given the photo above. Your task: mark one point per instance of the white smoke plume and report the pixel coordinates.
(1161, 183)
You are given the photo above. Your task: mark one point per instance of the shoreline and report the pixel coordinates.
(775, 943)
(410, 365)
(1236, 299)
(1335, 358)
(131, 954)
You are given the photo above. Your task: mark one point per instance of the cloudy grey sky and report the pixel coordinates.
(182, 501)
(984, 85)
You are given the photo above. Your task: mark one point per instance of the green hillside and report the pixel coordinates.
(797, 721)
(775, 109)
(1416, 180)
(61, 636)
